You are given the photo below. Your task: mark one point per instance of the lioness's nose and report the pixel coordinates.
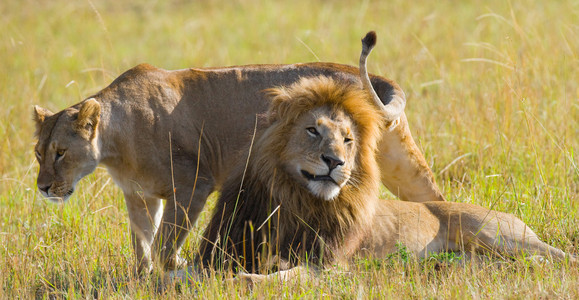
(44, 188)
(332, 162)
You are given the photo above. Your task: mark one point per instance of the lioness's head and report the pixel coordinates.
(322, 130)
(67, 148)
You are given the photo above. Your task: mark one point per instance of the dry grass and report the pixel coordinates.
(493, 100)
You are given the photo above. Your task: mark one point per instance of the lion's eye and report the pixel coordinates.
(312, 131)
(60, 153)
(38, 155)
(348, 140)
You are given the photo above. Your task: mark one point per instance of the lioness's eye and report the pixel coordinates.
(347, 140)
(313, 131)
(37, 153)
(60, 153)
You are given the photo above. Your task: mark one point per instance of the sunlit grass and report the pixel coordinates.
(493, 101)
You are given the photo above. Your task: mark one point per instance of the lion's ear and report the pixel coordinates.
(88, 118)
(278, 105)
(39, 115)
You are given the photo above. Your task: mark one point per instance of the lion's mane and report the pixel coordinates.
(262, 212)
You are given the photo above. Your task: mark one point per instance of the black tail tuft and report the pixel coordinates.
(369, 40)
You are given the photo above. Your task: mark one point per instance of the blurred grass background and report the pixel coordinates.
(493, 101)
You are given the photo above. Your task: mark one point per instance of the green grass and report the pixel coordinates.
(493, 101)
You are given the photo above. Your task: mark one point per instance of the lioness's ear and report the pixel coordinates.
(39, 115)
(88, 118)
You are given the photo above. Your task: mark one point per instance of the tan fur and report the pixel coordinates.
(176, 135)
(356, 222)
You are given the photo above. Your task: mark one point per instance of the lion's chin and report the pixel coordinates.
(324, 190)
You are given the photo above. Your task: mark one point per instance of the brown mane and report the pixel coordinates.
(263, 211)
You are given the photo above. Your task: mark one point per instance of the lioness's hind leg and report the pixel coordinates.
(403, 167)
(145, 215)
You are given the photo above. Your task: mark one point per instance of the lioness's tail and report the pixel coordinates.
(395, 105)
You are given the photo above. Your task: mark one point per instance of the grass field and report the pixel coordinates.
(493, 101)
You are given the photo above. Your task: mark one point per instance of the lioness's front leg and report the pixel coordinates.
(179, 216)
(403, 169)
(145, 216)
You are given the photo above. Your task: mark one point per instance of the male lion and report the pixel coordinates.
(175, 135)
(310, 190)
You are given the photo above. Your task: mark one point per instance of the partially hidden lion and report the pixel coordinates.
(309, 191)
(176, 135)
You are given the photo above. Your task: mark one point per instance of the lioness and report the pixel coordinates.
(310, 190)
(175, 135)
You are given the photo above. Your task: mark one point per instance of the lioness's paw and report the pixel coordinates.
(187, 277)
(176, 263)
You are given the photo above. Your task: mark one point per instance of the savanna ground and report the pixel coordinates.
(492, 90)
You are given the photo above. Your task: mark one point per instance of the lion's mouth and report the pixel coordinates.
(312, 177)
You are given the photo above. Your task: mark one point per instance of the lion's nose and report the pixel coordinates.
(332, 162)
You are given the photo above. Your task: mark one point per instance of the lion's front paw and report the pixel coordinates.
(248, 279)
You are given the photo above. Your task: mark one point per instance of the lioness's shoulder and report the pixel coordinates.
(134, 81)
(139, 71)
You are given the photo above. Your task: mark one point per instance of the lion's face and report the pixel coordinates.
(66, 150)
(321, 151)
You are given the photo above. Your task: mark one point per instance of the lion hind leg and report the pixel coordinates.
(508, 235)
(530, 244)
